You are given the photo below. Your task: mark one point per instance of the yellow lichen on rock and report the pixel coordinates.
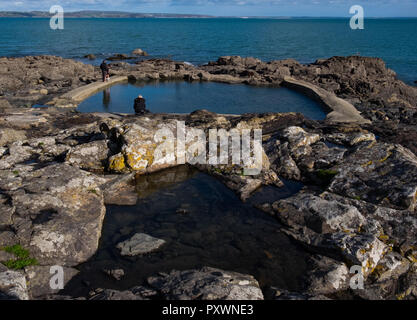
(117, 163)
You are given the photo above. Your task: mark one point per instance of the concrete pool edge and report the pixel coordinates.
(81, 93)
(338, 110)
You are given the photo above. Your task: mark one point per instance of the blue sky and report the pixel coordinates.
(373, 8)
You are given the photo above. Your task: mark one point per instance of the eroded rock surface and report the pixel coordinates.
(207, 284)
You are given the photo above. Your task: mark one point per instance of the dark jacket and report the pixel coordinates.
(104, 67)
(140, 106)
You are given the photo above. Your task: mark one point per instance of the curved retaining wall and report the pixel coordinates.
(82, 93)
(339, 110)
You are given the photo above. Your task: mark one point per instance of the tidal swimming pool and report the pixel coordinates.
(186, 97)
(215, 229)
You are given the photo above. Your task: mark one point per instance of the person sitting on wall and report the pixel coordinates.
(140, 105)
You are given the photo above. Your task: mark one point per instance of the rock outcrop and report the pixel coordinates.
(206, 284)
(58, 169)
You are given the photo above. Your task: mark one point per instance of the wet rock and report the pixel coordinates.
(120, 190)
(117, 274)
(13, 286)
(139, 52)
(90, 56)
(139, 244)
(146, 185)
(120, 56)
(182, 211)
(206, 284)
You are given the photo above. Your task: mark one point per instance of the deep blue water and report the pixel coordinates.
(185, 97)
(201, 40)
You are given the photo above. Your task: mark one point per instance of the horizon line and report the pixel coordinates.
(202, 15)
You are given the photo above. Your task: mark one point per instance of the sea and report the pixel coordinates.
(199, 41)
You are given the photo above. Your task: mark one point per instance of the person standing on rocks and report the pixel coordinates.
(140, 105)
(105, 69)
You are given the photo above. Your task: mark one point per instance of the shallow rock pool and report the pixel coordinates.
(203, 224)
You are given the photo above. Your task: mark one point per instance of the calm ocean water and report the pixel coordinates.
(201, 40)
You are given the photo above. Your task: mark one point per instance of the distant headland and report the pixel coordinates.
(98, 14)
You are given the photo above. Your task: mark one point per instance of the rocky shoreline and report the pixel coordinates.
(58, 171)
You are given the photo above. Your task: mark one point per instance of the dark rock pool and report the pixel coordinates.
(186, 97)
(203, 224)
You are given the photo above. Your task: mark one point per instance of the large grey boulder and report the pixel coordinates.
(139, 244)
(13, 286)
(383, 174)
(59, 211)
(90, 156)
(332, 228)
(206, 284)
